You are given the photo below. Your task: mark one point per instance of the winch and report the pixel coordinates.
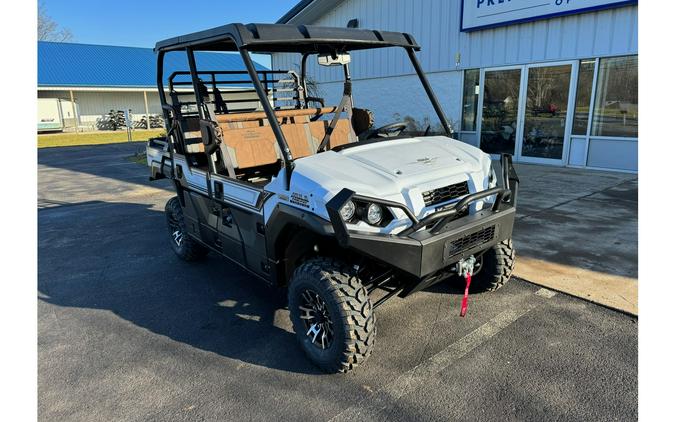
(465, 269)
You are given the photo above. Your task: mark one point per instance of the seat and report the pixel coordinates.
(342, 134)
(251, 141)
(251, 146)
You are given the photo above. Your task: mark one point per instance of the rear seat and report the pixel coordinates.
(251, 143)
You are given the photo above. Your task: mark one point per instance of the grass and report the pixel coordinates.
(95, 138)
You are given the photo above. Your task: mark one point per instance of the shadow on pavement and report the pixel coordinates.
(116, 257)
(112, 161)
(125, 265)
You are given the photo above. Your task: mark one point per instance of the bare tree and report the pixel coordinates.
(48, 29)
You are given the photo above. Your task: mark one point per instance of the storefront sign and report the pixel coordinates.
(480, 14)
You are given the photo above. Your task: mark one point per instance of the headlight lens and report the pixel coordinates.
(374, 214)
(347, 211)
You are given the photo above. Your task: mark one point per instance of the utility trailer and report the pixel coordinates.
(53, 113)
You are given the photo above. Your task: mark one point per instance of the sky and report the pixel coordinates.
(141, 23)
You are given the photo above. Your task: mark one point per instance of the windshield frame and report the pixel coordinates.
(276, 128)
(287, 157)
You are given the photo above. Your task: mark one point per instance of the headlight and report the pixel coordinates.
(374, 214)
(347, 211)
(492, 178)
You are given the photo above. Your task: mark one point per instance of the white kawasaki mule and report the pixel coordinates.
(309, 197)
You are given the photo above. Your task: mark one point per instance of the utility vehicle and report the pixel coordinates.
(308, 196)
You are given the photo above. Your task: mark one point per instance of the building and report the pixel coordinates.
(550, 82)
(95, 79)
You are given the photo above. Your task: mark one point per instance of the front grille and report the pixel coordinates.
(446, 193)
(471, 240)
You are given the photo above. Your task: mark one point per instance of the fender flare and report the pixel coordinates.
(277, 230)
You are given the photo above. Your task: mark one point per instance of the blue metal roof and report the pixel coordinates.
(87, 65)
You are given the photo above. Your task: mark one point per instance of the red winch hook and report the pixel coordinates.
(465, 268)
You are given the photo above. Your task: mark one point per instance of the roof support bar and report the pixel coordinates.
(269, 112)
(200, 109)
(195, 83)
(430, 92)
(169, 117)
(160, 79)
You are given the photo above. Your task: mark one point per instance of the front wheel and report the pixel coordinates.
(494, 267)
(181, 243)
(332, 314)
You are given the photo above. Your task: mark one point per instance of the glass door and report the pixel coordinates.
(499, 110)
(546, 107)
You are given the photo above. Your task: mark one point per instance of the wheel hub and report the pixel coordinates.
(177, 237)
(314, 312)
(175, 231)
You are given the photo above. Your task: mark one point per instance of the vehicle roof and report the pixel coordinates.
(272, 38)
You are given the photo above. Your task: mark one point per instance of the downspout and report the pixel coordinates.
(75, 116)
(147, 113)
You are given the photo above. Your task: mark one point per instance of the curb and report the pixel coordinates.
(615, 292)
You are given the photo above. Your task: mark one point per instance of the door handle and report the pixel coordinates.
(227, 217)
(218, 189)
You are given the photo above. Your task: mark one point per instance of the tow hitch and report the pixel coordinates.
(465, 269)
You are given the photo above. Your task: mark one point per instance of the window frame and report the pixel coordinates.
(477, 101)
(591, 118)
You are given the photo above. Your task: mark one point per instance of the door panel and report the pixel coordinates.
(499, 116)
(241, 226)
(229, 240)
(546, 108)
(199, 210)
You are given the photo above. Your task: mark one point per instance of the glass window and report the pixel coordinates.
(500, 111)
(548, 90)
(470, 99)
(616, 98)
(584, 91)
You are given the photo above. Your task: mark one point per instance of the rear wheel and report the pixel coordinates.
(332, 314)
(182, 244)
(494, 267)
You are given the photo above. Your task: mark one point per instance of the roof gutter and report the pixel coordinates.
(95, 88)
(121, 89)
(307, 12)
(294, 11)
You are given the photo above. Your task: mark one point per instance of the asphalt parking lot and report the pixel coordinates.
(126, 331)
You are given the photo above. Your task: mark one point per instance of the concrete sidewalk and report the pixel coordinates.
(576, 232)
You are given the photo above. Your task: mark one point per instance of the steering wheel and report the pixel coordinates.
(388, 131)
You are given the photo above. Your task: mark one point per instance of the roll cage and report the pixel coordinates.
(271, 38)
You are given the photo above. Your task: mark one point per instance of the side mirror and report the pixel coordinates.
(334, 59)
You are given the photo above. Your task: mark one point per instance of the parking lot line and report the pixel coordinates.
(418, 376)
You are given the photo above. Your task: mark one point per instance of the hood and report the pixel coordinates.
(408, 158)
(386, 168)
(398, 170)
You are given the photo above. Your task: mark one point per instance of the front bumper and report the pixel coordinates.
(440, 239)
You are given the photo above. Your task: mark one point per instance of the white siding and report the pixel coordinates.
(390, 98)
(435, 26)
(95, 105)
